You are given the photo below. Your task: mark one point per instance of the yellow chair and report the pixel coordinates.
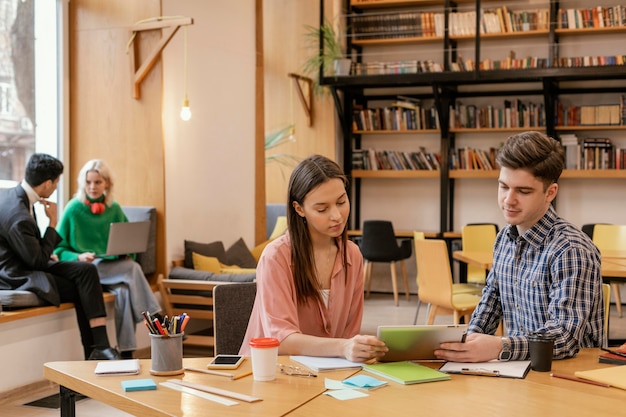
(434, 280)
(456, 288)
(606, 292)
(478, 238)
(611, 237)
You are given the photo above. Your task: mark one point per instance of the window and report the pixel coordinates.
(31, 64)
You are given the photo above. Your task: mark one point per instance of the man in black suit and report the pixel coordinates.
(27, 263)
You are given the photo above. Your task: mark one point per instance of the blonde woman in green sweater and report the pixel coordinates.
(84, 227)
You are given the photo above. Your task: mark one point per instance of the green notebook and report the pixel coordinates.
(406, 372)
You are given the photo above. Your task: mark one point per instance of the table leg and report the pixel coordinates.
(68, 402)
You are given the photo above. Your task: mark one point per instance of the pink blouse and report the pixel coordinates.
(276, 312)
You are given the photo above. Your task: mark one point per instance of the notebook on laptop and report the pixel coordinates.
(127, 237)
(417, 342)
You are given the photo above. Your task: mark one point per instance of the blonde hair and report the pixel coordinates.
(100, 167)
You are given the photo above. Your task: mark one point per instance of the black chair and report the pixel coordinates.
(379, 244)
(232, 306)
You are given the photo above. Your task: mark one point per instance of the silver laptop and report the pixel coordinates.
(127, 237)
(417, 342)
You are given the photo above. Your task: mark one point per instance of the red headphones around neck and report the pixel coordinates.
(96, 207)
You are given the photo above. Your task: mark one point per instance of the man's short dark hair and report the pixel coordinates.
(536, 153)
(42, 167)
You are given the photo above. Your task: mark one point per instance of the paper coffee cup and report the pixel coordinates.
(264, 354)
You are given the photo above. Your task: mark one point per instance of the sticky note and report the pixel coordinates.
(138, 385)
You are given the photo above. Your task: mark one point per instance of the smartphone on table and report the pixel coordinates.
(226, 362)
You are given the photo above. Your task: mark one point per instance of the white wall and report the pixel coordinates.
(209, 160)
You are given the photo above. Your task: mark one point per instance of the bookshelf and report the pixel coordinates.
(461, 66)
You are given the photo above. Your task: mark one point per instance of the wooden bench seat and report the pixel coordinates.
(27, 312)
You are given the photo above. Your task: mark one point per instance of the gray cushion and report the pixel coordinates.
(239, 254)
(19, 299)
(179, 272)
(214, 249)
(147, 260)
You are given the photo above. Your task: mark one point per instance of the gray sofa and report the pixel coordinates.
(12, 299)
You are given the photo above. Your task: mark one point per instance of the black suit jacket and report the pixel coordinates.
(24, 253)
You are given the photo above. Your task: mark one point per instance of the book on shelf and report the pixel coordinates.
(572, 150)
(406, 372)
(372, 159)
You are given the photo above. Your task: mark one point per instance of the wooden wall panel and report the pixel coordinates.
(285, 52)
(105, 121)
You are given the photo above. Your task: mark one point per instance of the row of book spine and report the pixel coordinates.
(376, 160)
(397, 67)
(499, 20)
(396, 25)
(596, 115)
(513, 113)
(593, 17)
(513, 63)
(473, 159)
(592, 153)
(395, 118)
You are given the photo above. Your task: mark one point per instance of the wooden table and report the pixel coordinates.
(611, 266)
(538, 395)
(280, 396)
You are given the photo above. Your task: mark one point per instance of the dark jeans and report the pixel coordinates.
(79, 283)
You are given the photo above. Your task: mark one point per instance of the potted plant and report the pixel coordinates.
(331, 57)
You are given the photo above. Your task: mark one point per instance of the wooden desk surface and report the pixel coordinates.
(538, 394)
(279, 396)
(611, 267)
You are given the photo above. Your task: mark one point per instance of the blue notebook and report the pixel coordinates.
(138, 385)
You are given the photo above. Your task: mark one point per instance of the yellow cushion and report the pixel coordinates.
(279, 228)
(258, 249)
(206, 263)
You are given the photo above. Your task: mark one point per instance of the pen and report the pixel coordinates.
(575, 378)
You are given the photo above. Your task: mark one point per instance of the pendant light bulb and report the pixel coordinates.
(185, 111)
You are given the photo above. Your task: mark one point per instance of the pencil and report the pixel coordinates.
(241, 375)
(210, 372)
(575, 378)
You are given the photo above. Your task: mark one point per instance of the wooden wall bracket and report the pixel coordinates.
(171, 26)
(305, 99)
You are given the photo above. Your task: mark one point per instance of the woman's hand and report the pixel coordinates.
(87, 257)
(362, 348)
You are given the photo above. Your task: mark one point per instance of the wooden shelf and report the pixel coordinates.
(397, 132)
(397, 41)
(473, 173)
(594, 173)
(374, 4)
(502, 35)
(391, 173)
(496, 129)
(394, 3)
(590, 127)
(590, 31)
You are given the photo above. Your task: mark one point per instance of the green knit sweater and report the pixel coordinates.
(82, 231)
